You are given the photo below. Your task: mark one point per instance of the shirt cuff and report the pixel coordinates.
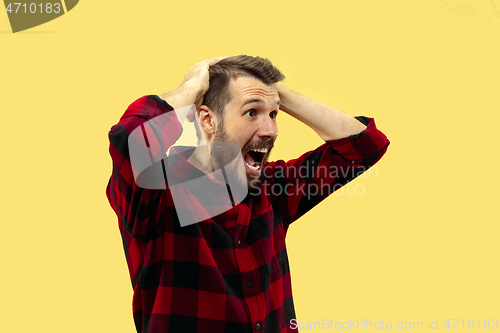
(147, 107)
(366, 147)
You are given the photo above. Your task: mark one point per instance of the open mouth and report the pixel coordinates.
(254, 158)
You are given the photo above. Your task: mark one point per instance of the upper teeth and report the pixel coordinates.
(261, 150)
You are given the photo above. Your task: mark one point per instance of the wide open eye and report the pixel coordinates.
(273, 114)
(251, 113)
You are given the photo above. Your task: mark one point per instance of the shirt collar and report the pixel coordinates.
(180, 168)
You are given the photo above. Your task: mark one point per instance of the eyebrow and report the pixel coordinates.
(256, 100)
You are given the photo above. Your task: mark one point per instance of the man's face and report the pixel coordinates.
(250, 122)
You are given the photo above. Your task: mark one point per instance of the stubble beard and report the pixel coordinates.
(253, 181)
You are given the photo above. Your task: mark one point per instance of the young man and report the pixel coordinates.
(228, 272)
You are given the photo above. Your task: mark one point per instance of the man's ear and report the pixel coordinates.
(208, 120)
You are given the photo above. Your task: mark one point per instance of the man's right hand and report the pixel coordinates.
(193, 88)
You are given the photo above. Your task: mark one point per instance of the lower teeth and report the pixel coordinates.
(256, 167)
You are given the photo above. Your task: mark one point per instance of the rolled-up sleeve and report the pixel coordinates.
(298, 185)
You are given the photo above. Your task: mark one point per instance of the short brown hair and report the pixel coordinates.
(218, 94)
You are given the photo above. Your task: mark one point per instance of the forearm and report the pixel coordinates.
(328, 122)
(183, 96)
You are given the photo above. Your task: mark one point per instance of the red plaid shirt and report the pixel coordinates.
(229, 273)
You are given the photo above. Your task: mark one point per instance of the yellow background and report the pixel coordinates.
(419, 244)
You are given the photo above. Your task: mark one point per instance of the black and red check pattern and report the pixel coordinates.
(229, 273)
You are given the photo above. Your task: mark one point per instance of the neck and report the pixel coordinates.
(201, 159)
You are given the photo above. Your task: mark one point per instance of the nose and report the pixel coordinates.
(268, 128)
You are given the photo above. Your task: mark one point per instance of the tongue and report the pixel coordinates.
(249, 159)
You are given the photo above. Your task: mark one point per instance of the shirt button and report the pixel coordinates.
(257, 326)
(249, 284)
(239, 242)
